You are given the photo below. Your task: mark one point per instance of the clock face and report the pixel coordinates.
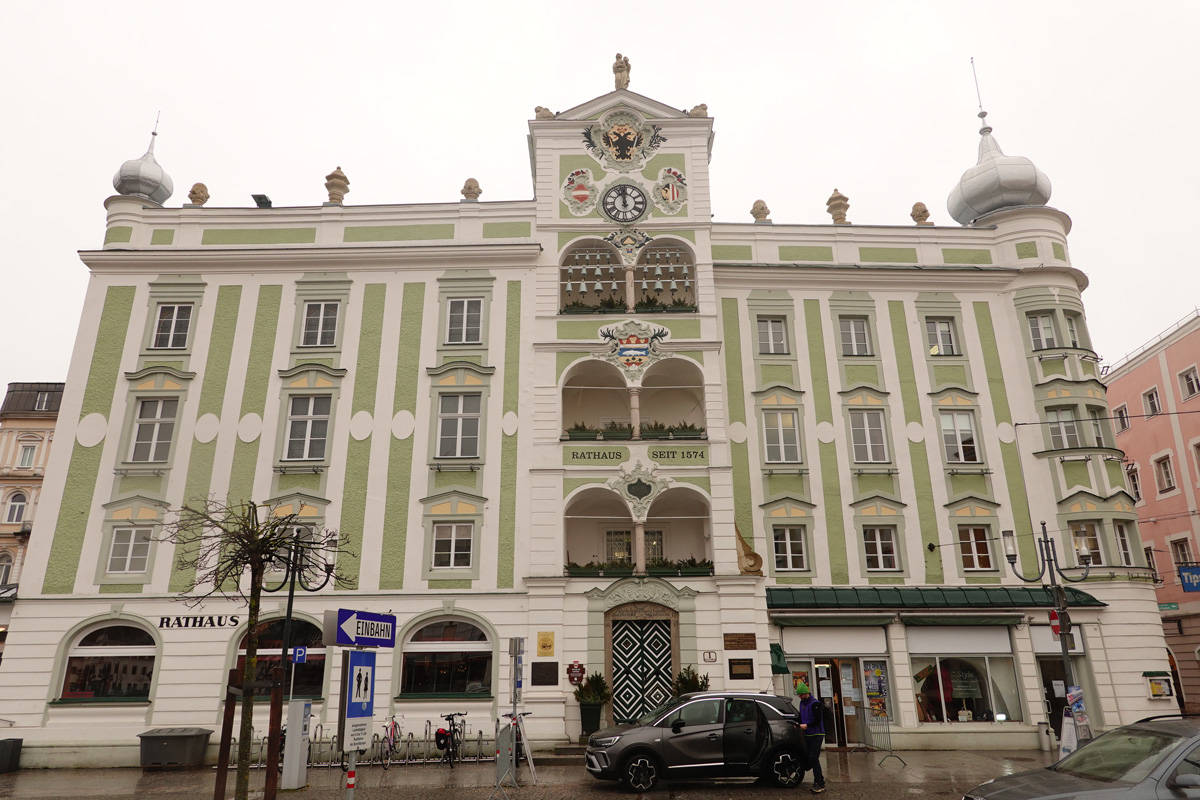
(624, 202)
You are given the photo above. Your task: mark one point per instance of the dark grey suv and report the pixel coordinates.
(703, 735)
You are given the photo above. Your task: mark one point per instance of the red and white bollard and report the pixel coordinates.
(351, 772)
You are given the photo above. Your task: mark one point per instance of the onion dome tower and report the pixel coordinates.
(996, 181)
(143, 177)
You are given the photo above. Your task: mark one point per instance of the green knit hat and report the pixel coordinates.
(802, 688)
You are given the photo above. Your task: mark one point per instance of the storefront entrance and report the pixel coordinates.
(849, 687)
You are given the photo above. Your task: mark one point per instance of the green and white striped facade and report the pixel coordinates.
(535, 500)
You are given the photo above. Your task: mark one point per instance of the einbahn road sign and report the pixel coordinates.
(349, 628)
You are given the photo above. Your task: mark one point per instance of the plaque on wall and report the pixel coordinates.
(544, 673)
(741, 669)
(740, 641)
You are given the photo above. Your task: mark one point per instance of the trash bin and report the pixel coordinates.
(174, 748)
(1044, 737)
(10, 755)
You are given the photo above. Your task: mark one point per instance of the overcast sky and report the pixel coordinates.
(873, 98)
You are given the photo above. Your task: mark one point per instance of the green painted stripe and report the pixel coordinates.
(805, 253)
(366, 381)
(887, 255)
(792, 581)
(571, 484)
(171, 364)
(816, 361)
(397, 233)
(1060, 252)
(981, 579)
(1013, 474)
(84, 469)
(121, 588)
(507, 230)
(743, 499)
(506, 559)
(162, 236)
(702, 481)
(254, 391)
(569, 163)
(732, 252)
(1027, 250)
(218, 236)
(835, 525)
(462, 583)
(662, 161)
(400, 456)
(118, 234)
(957, 255)
(908, 375)
(734, 380)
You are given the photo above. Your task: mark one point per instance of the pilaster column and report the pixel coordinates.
(630, 299)
(635, 410)
(639, 548)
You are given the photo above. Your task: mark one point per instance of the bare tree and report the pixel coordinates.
(230, 549)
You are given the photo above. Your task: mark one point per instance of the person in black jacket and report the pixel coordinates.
(812, 722)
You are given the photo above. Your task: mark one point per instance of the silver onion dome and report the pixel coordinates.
(143, 177)
(996, 181)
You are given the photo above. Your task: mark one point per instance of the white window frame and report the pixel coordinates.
(1041, 331)
(42, 403)
(14, 512)
(1072, 330)
(6, 565)
(461, 308)
(456, 538)
(1151, 402)
(772, 336)
(855, 336)
(1121, 413)
(790, 547)
(171, 326)
(1189, 383)
(1064, 433)
(778, 424)
(868, 441)
(316, 330)
(304, 426)
(1097, 418)
(874, 541)
(1164, 476)
(452, 423)
(135, 543)
(1089, 534)
(1181, 552)
(957, 439)
(1133, 475)
(27, 456)
(154, 430)
(941, 336)
(975, 548)
(1124, 546)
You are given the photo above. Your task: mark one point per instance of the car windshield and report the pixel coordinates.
(1126, 755)
(648, 719)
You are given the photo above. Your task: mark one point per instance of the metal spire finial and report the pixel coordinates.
(986, 129)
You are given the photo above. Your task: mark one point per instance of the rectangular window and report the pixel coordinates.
(789, 548)
(1122, 415)
(1164, 476)
(463, 323)
(155, 427)
(1072, 331)
(452, 545)
(320, 324)
(1189, 383)
(974, 546)
(458, 425)
(782, 435)
(1041, 330)
(1087, 536)
(308, 426)
(1181, 552)
(28, 451)
(772, 338)
(856, 338)
(43, 402)
(1097, 418)
(866, 435)
(1124, 548)
(958, 436)
(654, 545)
(1063, 433)
(130, 550)
(1135, 483)
(618, 546)
(1150, 400)
(940, 334)
(957, 688)
(171, 329)
(1150, 562)
(880, 547)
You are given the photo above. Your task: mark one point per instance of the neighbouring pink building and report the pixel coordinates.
(1155, 396)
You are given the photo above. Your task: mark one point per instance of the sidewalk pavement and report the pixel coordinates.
(939, 775)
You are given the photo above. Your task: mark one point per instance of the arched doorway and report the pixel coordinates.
(643, 651)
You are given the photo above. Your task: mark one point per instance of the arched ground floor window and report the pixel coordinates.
(114, 661)
(309, 677)
(447, 657)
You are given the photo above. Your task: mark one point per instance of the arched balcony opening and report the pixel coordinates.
(671, 401)
(595, 402)
(593, 279)
(678, 534)
(665, 278)
(598, 534)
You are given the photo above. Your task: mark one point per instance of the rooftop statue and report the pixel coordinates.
(920, 214)
(699, 111)
(621, 72)
(837, 205)
(759, 211)
(198, 196)
(541, 112)
(471, 190)
(337, 185)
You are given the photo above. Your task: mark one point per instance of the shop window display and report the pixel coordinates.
(114, 662)
(966, 689)
(449, 657)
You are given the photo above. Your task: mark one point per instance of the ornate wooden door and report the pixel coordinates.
(641, 658)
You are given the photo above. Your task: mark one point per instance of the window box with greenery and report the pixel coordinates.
(617, 431)
(689, 567)
(580, 307)
(683, 430)
(680, 306)
(649, 304)
(592, 695)
(600, 569)
(581, 430)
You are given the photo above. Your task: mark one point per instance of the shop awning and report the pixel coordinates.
(917, 598)
(828, 621)
(932, 620)
(778, 661)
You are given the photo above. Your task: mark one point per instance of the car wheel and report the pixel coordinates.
(639, 773)
(784, 768)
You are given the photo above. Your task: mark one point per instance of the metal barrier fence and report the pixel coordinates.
(875, 731)
(410, 749)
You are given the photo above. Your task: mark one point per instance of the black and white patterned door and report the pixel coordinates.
(641, 653)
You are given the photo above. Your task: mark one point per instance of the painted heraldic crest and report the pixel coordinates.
(621, 140)
(670, 192)
(633, 346)
(580, 193)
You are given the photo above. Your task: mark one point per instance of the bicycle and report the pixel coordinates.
(448, 741)
(390, 743)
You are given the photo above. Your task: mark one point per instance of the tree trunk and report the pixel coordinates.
(246, 733)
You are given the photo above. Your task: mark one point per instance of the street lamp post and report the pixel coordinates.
(301, 562)
(1048, 566)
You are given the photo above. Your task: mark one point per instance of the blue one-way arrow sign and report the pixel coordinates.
(350, 628)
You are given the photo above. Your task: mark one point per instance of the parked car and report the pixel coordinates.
(703, 735)
(1153, 759)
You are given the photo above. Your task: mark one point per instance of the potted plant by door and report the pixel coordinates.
(591, 695)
